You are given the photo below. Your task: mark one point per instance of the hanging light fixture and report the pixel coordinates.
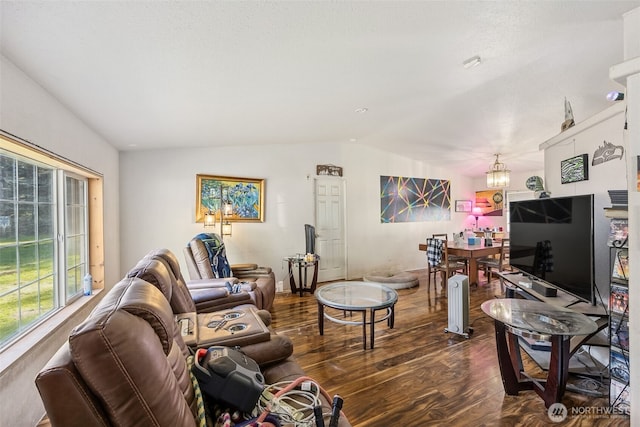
(498, 176)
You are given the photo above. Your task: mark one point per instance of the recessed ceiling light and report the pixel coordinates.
(474, 61)
(353, 139)
(361, 110)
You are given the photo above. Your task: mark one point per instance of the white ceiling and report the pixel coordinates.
(154, 74)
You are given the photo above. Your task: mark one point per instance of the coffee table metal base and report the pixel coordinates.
(389, 317)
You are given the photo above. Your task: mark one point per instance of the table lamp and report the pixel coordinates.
(477, 212)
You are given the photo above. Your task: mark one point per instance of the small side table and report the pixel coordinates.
(301, 262)
(515, 318)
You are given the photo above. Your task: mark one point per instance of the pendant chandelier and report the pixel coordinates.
(498, 175)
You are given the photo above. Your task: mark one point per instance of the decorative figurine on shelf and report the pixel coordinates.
(535, 184)
(568, 116)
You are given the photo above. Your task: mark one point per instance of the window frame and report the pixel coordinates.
(93, 230)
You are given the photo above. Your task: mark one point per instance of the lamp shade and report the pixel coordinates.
(209, 219)
(226, 229)
(498, 175)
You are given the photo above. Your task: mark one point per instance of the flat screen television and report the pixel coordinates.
(310, 238)
(552, 239)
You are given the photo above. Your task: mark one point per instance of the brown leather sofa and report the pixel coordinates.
(199, 267)
(153, 270)
(207, 296)
(126, 365)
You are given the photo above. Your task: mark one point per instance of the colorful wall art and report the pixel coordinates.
(414, 199)
(246, 196)
(490, 202)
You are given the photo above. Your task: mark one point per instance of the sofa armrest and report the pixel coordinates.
(244, 270)
(211, 283)
(215, 299)
(277, 349)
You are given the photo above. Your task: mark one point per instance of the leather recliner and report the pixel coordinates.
(126, 365)
(199, 267)
(276, 348)
(112, 367)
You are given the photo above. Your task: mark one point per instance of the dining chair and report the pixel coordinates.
(452, 258)
(499, 262)
(438, 262)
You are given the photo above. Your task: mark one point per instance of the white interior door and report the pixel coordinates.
(330, 241)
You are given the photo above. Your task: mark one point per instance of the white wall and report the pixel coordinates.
(586, 137)
(29, 112)
(158, 203)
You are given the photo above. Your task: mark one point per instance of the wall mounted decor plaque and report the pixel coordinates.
(331, 170)
(574, 169)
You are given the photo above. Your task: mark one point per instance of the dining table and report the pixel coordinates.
(471, 253)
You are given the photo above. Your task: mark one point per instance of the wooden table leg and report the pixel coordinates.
(292, 280)
(558, 371)
(314, 279)
(473, 271)
(300, 284)
(510, 379)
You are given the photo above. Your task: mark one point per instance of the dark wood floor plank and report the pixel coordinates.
(417, 375)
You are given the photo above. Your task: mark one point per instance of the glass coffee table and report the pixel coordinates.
(357, 296)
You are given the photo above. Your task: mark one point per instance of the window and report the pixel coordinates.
(75, 240)
(44, 240)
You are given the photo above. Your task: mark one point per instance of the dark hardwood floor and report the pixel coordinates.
(417, 375)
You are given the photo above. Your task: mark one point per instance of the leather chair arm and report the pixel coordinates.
(266, 353)
(208, 305)
(248, 286)
(211, 283)
(258, 272)
(203, 294)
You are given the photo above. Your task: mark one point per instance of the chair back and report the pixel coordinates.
(504, 251)
(121, 365)
(154, 270)
(445, 247)
(207, 257)
(435, 250)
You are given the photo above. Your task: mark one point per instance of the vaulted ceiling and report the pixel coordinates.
(160, 74)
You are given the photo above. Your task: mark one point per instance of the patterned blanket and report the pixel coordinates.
(217, 254)
(434, 251)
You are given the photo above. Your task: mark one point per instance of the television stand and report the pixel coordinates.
(518, 284)
(544, 289)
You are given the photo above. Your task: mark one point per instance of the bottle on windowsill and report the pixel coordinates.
(87, 284)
